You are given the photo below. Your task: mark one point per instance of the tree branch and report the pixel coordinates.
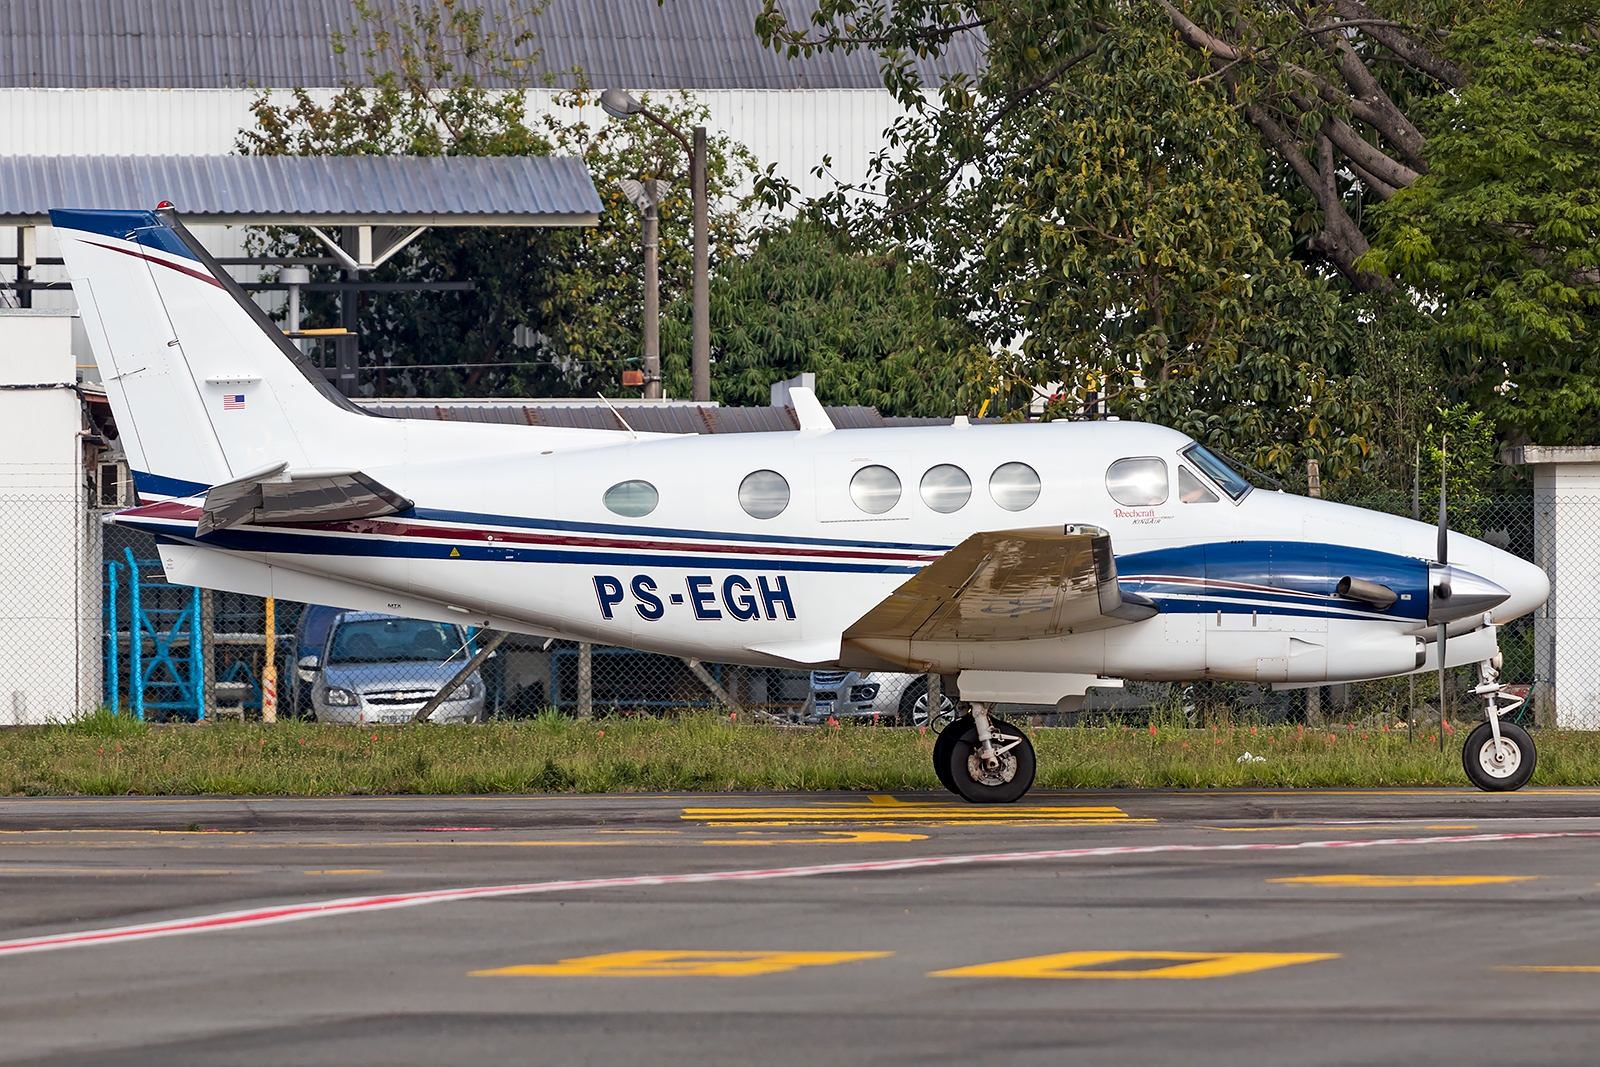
(1408, 48)
(1340, 239)
(1369, 158)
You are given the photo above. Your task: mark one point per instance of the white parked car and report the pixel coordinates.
(881, 696)
(380, 668)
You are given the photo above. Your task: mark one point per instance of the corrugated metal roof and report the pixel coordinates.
(232, 44)
(308, 190)
(643, 417)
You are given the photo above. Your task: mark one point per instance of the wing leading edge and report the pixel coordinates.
(276, 495)
(1009, 585)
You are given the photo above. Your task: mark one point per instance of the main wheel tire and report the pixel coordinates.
(1512, 771)
(979, 786)
(941, 751)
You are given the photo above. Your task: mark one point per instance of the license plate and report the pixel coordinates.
(825, 707)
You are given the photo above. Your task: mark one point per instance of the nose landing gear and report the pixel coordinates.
(984, 760)
(1498, 757)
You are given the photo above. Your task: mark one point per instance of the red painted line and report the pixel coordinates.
(172, 510)
(233, 920)
(202, 276)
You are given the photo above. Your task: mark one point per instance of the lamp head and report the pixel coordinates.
(619, 103)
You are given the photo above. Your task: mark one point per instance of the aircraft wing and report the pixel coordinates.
(275, 495)
(1009, 585)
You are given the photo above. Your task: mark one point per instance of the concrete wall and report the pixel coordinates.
(1566, 529)
(49, 540)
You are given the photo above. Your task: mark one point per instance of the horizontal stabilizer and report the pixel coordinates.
(1009, 585)
(276, 495)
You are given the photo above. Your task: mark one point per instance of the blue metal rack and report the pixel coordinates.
(168, 679)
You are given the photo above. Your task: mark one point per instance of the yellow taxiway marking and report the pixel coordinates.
(1384, 881)
(1569, 969)
(652, 964)
(1178, 965)
(887, 810)
(119, 870)
(349, 870)
(829, 837)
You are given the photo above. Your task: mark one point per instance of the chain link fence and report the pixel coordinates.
(87, 620)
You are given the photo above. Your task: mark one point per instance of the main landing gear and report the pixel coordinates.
(1498, 756)
(984, 760)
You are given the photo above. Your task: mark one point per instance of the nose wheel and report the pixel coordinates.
(984, 760)
(1498, 756)
(1499, 766)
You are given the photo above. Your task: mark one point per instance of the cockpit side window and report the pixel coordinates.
(1138, 482)
(1218, 471)
(1191, 490)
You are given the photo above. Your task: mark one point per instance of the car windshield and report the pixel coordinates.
(393, 641)
(1217, 471)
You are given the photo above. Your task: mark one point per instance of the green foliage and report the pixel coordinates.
(1456, 141)
(1502, 236)
(872, 327)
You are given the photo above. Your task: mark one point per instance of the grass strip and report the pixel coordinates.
(107, 756)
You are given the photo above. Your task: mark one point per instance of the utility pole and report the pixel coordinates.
(701, 354)
(621, 105)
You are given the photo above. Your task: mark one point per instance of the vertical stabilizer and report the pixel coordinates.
(203, 386)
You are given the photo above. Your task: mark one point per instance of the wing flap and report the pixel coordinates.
(276, 495)
(1009, 585)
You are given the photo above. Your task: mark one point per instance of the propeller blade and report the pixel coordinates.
(1442, 635)
(1443, 551)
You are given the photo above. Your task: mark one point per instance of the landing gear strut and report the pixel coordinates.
(984, 760)
(1498, 756)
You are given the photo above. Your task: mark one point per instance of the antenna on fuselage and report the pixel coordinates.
(618, 414)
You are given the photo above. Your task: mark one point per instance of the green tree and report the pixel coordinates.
(1501, 237)
(872, 327)
(1118, 242)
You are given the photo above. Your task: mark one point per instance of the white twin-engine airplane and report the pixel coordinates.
(1024, 563)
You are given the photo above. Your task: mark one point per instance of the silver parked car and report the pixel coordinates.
(878, 695)
(380, 668)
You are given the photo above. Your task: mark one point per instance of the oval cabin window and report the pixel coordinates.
(946, 488)
(1014, 486)
(632, 498)
(1139, 482)
(875, 489)
(764, 494)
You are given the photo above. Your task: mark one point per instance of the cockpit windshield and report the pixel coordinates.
(1218, 471)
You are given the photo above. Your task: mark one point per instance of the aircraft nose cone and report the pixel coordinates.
(1455, 593)
(1527, 584)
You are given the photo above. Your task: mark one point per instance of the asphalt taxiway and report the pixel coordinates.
(1315, 927)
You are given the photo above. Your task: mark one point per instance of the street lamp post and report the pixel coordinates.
(619, 104)
(647, 196)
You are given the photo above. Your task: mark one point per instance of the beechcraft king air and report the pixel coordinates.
(1024, 563)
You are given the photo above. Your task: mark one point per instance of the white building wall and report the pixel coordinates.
(49, 540)
(796, 129)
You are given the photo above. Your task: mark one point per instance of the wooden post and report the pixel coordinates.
(935, 696)
(269, 669)
(208, 657)
(585, 680)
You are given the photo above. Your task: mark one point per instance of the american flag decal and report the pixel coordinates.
(232, 401)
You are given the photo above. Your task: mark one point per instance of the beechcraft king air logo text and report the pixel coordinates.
(734, 597)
